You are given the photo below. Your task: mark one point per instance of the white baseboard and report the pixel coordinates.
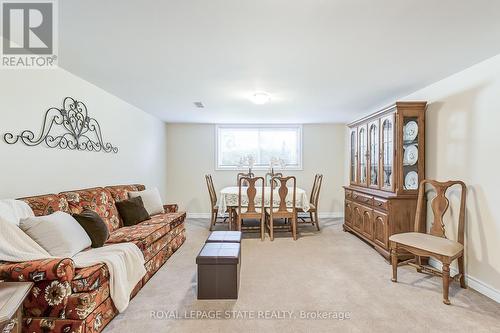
(472, 282)
(321, 215)
(330, 215)
(198, 215)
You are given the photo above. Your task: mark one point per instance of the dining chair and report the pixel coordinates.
(282, 211)
(435, 244)
(213, 202)
(313, 202)
(242, 174)
(251, 210)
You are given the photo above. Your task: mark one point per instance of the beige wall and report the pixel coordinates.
(25, 171)
(191, 154)
(463, 142)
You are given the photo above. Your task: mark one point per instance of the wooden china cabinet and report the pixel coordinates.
(387, 163)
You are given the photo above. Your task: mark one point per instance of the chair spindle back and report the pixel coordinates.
(283, 193)
(440, 205)
(211, 190)
(318, 180)
(251, 191)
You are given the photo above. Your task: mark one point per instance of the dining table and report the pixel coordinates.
(228, 199)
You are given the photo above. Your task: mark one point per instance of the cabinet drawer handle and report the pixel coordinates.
(379, 203)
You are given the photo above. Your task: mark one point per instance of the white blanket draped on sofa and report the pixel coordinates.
(125, 261)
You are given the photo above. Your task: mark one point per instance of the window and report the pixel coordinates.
(235, 144)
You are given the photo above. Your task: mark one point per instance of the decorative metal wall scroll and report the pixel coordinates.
(67, 128)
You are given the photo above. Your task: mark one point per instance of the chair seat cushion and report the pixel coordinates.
(434, 244)
(244, 211)
(289, 210)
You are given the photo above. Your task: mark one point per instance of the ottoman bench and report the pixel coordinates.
(224, 237)
(219, 271)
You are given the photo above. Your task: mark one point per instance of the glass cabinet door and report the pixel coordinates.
(411, 136)
(373, 139)
(353, 166)
(387, 152)
(363, 154)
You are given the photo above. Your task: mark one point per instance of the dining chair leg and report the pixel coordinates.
(271, 228)
(394, 262)
(418, 261)
(461, 271)
(294, 227)
(311, 216)
(262, 226)
(212, 221)
(232, 218)
(446, 283)
(316, 219)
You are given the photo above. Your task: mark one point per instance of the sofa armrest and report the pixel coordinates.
(38, 270)
(171, 208)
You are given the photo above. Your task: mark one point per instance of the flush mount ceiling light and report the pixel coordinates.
(261, 97)
(199, 105)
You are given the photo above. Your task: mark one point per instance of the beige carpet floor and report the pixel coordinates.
(329, 272)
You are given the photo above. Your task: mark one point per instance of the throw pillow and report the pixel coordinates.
(58, 233)
(13, 211)
(151, 199)
(94, 226)
(132, 211)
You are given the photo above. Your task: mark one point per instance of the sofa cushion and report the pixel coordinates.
(97, 199)
(140, 234)
(89, 278)
(173, 219)
(47, 204)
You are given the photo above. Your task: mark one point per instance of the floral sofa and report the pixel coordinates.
(68, 299)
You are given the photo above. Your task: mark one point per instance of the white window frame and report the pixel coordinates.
(233, 168)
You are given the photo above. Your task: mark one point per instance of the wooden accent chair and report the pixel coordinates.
(313, 202)
(251, 211)
(282, 211)
(213, 202)
(435, 244)
(242, 174)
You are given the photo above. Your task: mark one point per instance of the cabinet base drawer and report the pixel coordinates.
(380, 203)
(363, 198)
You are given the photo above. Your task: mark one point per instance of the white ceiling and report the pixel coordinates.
(322, 61)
